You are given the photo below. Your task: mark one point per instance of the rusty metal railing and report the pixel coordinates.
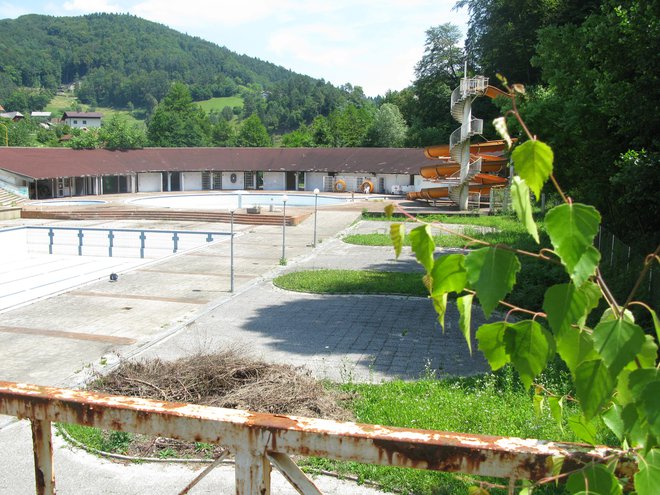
(259, 441)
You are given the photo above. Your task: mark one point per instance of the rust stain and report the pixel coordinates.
(44, 332)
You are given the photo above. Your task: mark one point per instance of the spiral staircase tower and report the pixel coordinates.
(459, 141)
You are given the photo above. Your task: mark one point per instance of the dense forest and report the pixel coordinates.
(123, 61)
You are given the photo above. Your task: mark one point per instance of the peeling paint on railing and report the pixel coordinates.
(258, 439)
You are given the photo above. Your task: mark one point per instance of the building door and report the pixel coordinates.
(291, 181)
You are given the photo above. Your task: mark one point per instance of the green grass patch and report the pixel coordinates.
(352, 282)
(490, 404)
(115, 442)
(220, 103)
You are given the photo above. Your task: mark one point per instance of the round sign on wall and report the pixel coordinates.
(232, 177)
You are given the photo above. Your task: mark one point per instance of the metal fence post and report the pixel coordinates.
(42, 447)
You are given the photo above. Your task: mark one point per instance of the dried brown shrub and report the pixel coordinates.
(226, 379)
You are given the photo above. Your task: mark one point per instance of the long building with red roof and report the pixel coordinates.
(63, 172)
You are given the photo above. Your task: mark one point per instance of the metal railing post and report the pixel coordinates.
(51, 234)
(111, 237)
(80, 241)
(142, 239)
(231, 253)
(175, 242)
(42, 446)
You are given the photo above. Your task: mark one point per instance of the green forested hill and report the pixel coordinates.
(122, 60)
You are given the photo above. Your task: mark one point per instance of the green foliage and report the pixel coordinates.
(178, 122)
(117, 134)
(523, 206)
(572, 229)
(253, 133)
(491, 272)
(612, 365)
(389, 129)
(533, 163)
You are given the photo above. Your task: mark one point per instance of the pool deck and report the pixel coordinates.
(183, 305)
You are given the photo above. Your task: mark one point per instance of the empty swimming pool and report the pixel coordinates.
(228, 201)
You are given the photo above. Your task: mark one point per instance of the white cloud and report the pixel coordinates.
(90, 6)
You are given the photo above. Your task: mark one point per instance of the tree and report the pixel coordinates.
(349, 125)
(177, 122)
(253, 133)
(116, 134)
(609, 354)
(223, 133)
(389, 128)
(300, 138)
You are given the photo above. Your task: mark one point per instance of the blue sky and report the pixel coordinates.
(370, 43)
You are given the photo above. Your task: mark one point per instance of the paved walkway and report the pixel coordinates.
(183, 305)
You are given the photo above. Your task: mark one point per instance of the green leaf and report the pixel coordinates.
(614, 421)
(594, 479)
(397, 233)
(537, 403)
(593, 386)
(389, 210)
(634, 426)
(440, 305)
(522, 205)
(532, 161)
(530, 347)
(583, 428)
(556, 405)
(648, 356)
(490, 339)
(492, 273)
(449, 274)
(647, 479)
(656, 323)
(572, 228)
(477, 490)
(618, 342)
(566, 306)
(423, 246)
(609, 315)
(645, 387)
(465, 317)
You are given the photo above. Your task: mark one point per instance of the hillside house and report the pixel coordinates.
(79, 120)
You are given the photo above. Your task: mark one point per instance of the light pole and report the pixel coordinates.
(285, 198)
(231, 254)
(316, 205)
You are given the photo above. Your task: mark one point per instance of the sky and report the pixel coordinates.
(374, 44)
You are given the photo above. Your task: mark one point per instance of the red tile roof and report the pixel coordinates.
(46, 163)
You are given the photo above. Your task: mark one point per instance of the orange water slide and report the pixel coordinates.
(481, 183)
(490, 163)
(442, 150)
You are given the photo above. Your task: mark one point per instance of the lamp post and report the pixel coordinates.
(316, 205)
(231, 254)
(285, 198)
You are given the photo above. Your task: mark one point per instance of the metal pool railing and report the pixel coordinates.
(143, 236)
(260, 441)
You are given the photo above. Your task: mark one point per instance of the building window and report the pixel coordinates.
(84, 122)
(75, 121)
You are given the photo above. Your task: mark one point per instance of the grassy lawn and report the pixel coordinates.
(352, 282)
(534, 277)
(491, 404)
(220, 103)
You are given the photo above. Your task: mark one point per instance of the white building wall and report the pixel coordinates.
(274, 181)
(228, 184)
(314, 180)
(391, 180)
(80, 122)
(192, 181)
(150, 182)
